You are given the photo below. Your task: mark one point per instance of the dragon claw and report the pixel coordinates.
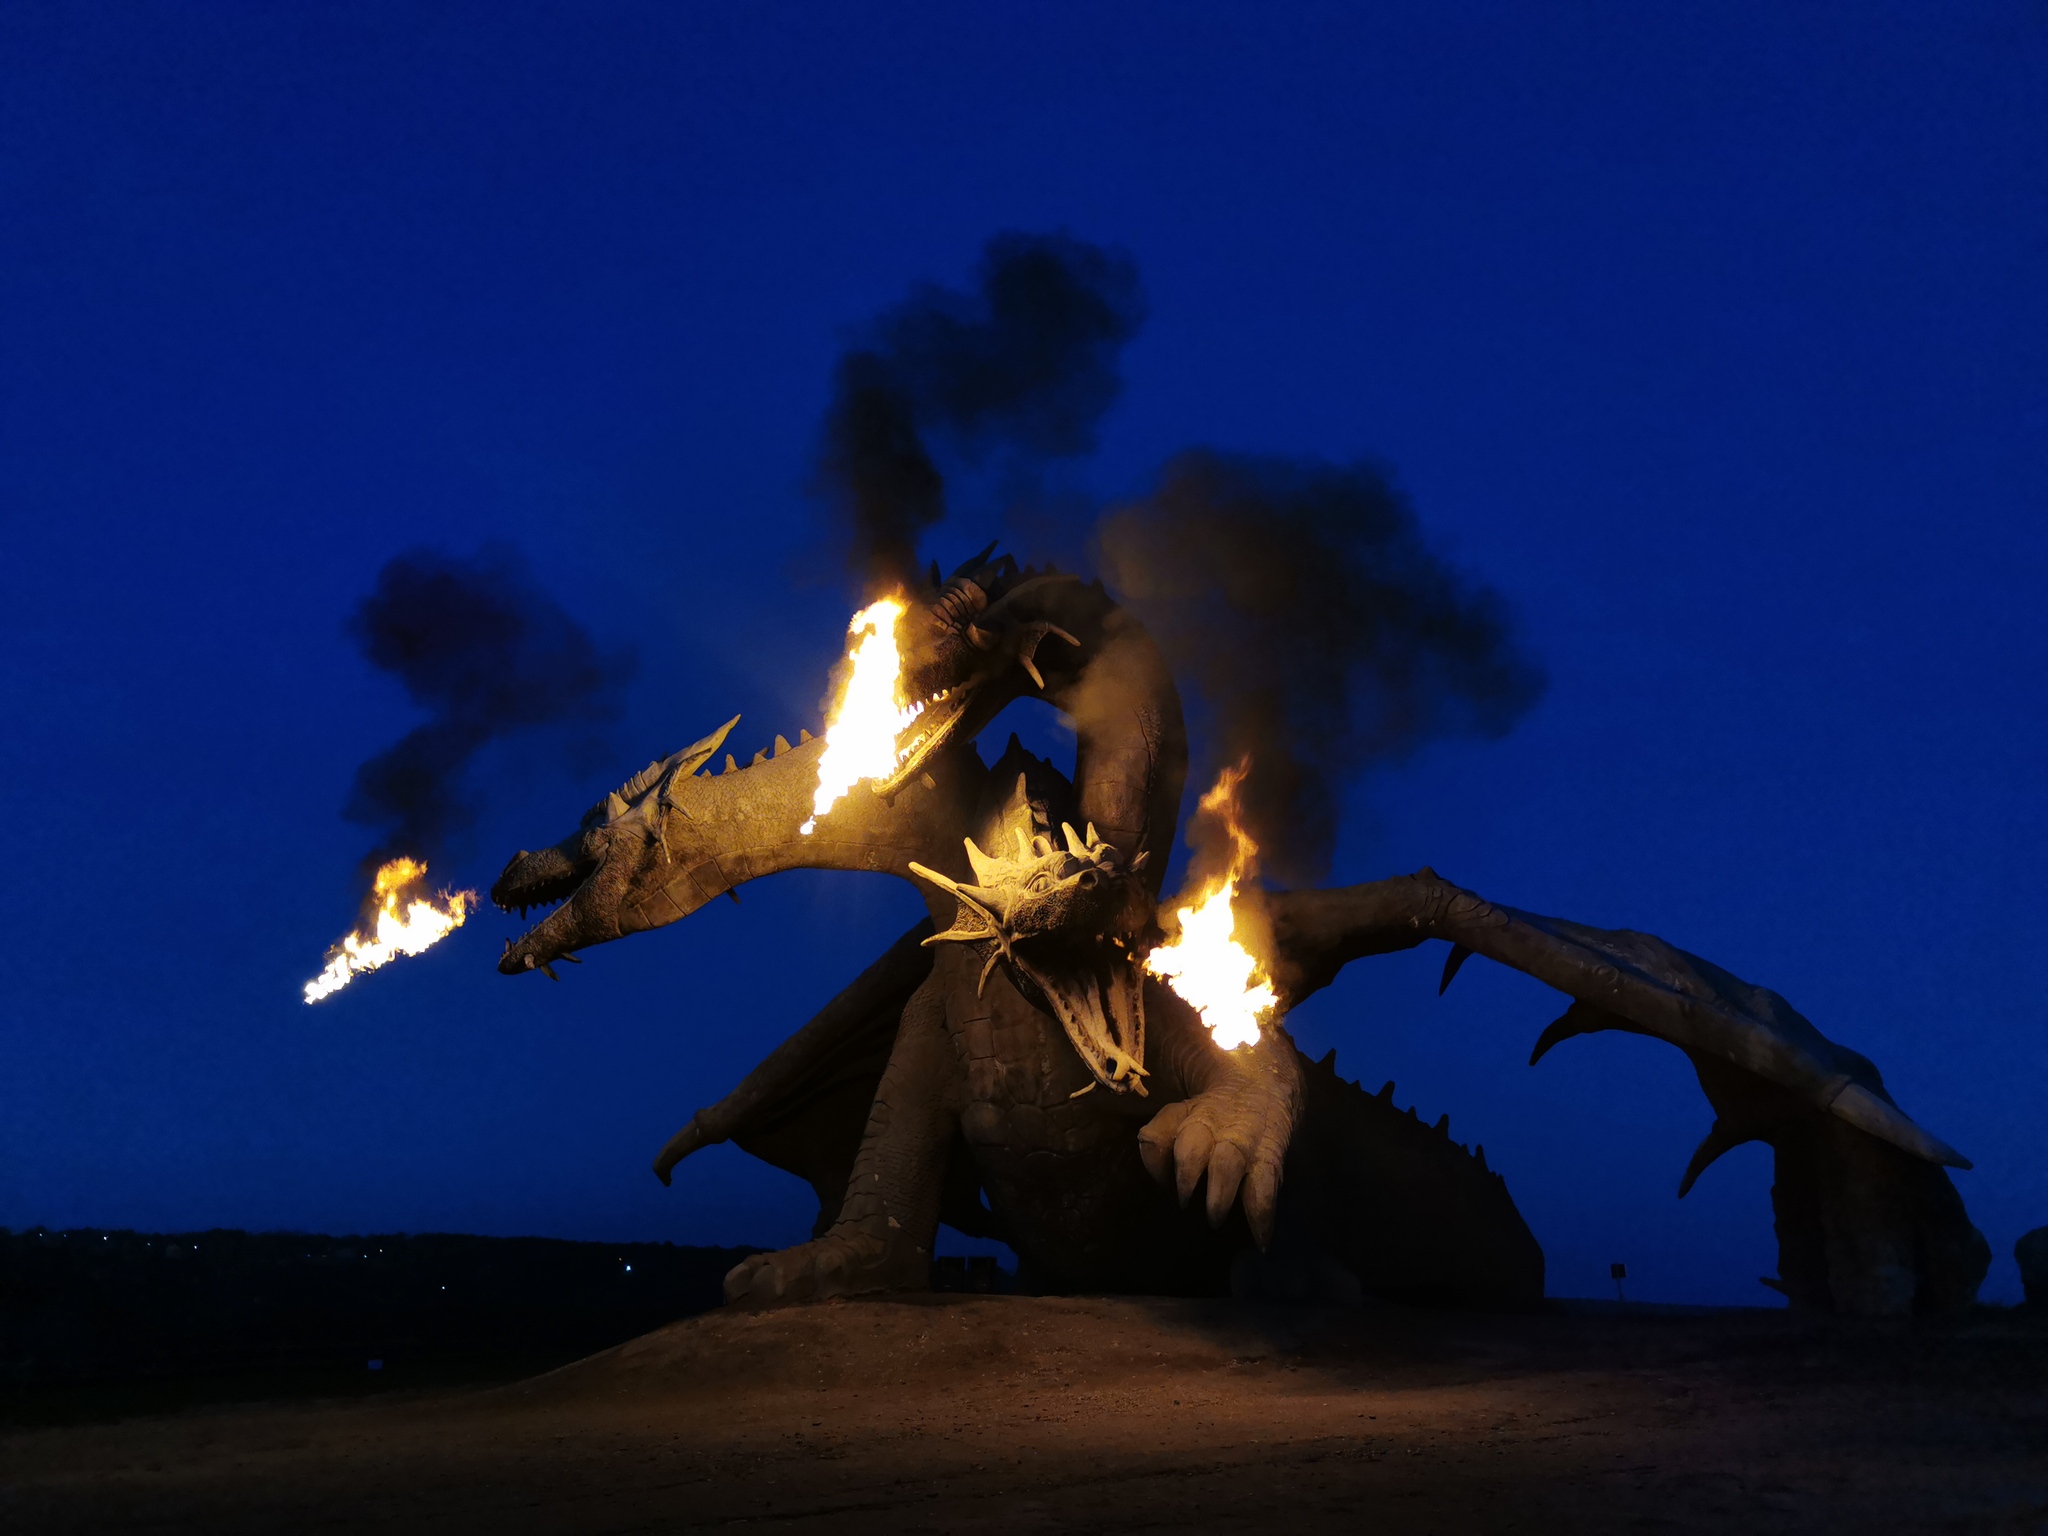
(1235, 1134)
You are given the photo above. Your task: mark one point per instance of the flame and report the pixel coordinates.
(860, 738)
(1217, 976)
(422, 924)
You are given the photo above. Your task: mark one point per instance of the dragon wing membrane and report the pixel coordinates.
(1868, 1221)
(803, 1109)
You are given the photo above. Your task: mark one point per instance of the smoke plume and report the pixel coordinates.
(1021, 368)
(486, 652)
(1320, 631)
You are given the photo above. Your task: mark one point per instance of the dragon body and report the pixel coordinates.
(1008, 1067)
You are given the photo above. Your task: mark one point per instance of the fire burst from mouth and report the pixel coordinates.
(406, 922)
(1217, 976)
(860, 738)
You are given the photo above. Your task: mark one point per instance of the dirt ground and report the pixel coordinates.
(981, 1414)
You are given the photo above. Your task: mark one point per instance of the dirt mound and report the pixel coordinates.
(918, 1345)
(984, 1414)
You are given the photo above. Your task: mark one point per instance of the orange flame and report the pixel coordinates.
(860, 738)
(1217, 976)
(388, 932)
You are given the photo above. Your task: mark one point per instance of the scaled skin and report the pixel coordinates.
(1029, 1063)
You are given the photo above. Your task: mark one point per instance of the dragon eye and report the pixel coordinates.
(1088, 879)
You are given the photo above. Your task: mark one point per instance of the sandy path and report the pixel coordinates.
(1014, 1414)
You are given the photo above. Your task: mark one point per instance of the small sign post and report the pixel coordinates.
(1619, 1272)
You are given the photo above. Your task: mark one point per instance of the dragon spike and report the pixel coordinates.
(661, 770)
(943, 882)
(1092, 838)
(698, 753)
(1575, 1020)
(1023, 843)
(1459, 955)
(1867, 1112)
(1139, 862)
(982, 900)
(781, 744)
(1075, 846)
(1719, 1139)
(981, 863)
(975, 562)
(730, 765)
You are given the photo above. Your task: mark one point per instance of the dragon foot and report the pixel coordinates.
(847, 1261)
(1236, 1133)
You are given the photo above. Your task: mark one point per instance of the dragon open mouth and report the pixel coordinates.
(582, 878)
(938, 720)
(1072, 923)
(1096, 994)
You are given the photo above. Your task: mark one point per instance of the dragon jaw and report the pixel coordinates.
(964, 661)
(1071, 924)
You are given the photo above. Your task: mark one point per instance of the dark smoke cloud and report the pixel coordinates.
(1023, 367)
(1320, 631)
(482, 648)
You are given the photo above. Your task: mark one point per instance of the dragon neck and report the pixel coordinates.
(1131, 745)
(718, 831)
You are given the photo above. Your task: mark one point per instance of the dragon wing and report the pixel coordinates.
(803, 1109)
(1867, 1220)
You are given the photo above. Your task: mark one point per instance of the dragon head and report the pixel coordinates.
(968, 645)
(670, 839)
(1070, 920)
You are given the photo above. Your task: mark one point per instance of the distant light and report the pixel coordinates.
(629, 1269)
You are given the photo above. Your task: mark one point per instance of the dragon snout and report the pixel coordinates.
(558, 875)
(539, 879)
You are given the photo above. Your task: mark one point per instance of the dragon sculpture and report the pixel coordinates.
(1009, 1068)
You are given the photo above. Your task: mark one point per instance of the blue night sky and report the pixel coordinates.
(1714, 336)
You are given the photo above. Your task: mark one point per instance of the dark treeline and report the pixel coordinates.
(95, 1306)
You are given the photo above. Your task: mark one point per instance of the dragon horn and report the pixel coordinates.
(975, 896)
(981, 863)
